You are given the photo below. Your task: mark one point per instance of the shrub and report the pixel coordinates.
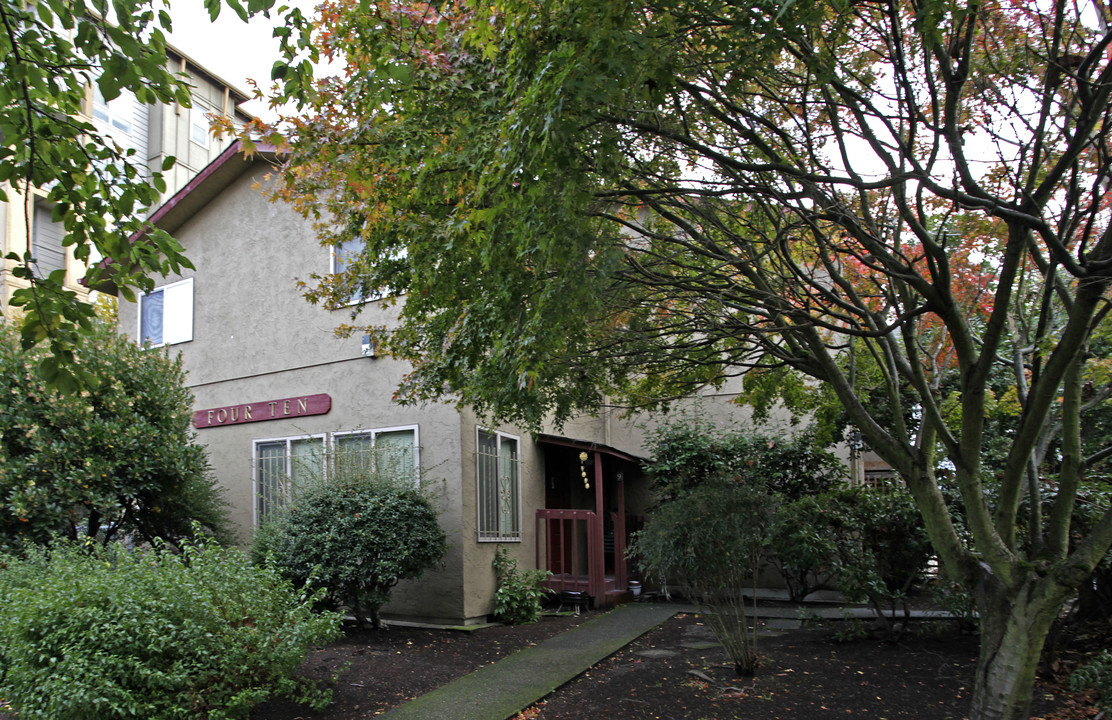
(687, 453)
(803, 547)
(356, 536)
(882, 549)
(104, 464)
(99, 633)
(711, 542)
(520, 592)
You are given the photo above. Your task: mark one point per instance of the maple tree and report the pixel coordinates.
(52, 53)
(905, 204)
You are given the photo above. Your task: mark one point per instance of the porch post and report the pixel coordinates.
(598, 550)
(621, 575)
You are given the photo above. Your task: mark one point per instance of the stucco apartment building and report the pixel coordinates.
(155, 132)
(276, 391)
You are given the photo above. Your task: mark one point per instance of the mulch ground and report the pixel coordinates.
(677, 672)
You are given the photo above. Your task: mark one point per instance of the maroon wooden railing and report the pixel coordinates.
(572, 551)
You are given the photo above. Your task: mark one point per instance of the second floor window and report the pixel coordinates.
(342, 257)
(166, 314)
(117, 113)
(199, 126)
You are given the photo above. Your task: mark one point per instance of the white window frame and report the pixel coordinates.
(483, 530)
(47, 236)
(179, 297)
(375, 432)
(117, 114)
(335, 268)
(199, 121)
(256, 467)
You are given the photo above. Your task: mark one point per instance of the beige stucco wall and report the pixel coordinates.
(256, 339)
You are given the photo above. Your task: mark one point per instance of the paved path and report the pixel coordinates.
(502, 689)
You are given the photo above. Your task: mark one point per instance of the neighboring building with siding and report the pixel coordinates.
(276, 392)
(155, 132)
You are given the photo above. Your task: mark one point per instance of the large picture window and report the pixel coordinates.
(280, 464)
(283, 464)
(389, 452)
(166, 314)
(499, 487)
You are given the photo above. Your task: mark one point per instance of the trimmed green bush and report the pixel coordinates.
(98, 633)
(355, 536)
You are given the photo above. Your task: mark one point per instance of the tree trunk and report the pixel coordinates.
(1014, 626)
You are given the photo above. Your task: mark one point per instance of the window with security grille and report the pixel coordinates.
(280, 464)
(390, 453)
(499, 487)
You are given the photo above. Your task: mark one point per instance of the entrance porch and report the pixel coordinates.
(594, 498)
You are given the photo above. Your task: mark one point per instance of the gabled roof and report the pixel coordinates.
(212, 180)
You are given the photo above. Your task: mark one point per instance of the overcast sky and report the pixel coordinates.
(229, 48)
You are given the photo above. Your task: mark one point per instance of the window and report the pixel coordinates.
(499, 481)
(199, 126)
(46, 241)
(166, 314)
(280, 464)
(392, 452)
(342, 257)
(116, 114)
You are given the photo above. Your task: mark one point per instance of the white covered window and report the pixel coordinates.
(392, 453)
(199, 126)
(166, 314)
(117, 114)
(499, 486)
(342, 257)
(280, 464)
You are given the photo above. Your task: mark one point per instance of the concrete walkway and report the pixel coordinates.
(504, 688)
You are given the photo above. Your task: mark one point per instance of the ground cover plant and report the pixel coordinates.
(92, 632)
(520, 594)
